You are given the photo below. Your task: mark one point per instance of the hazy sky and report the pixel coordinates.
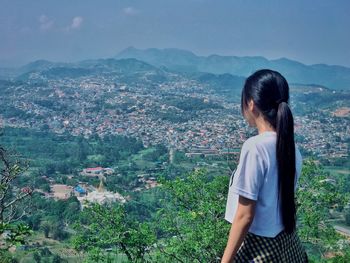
(309, 31)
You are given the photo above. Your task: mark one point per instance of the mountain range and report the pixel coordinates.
(331, 76)
(223, 70)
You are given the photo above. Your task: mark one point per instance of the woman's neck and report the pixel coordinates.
(263, 125)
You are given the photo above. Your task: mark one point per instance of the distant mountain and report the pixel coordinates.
(222, 72)
(220, 82)
(35, 66)
(39, 65)
(129, 65)
(172, 58)
(131, 69)
(334, 77)
(7, 73)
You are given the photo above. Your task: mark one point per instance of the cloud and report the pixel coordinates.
(45, 23)
(130, 11)
(76, 24)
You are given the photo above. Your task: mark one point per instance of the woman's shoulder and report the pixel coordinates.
(259, 141)
(249, 143)
(253, 147)
(298, 156)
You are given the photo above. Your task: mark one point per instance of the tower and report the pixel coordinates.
(101, 187)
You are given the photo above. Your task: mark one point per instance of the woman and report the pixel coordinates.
(261, 204)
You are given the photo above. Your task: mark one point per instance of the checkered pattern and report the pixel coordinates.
(282, 248)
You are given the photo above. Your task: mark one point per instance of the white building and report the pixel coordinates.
(101, 196)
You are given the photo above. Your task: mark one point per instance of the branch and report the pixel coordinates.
(170, 254)
(18, 198)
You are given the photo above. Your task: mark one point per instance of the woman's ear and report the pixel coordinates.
(251, 105)
(253, 109)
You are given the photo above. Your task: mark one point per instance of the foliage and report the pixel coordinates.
(6, 257)
(14, 233)
(107, 228)
(191, 224)
(190, 103)
(316, 195)
(56, 259)
(347, 217)
(62, 153)
(182, 220)
(12, 201)
(36, 257)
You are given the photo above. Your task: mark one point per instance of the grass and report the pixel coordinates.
(63, 249)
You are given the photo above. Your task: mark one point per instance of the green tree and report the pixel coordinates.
(34, 221)
(36, 257)
(317, 193)
(108, 228)
(191, 222)
(45, 252)
(6, 257)
(56, 259)
(46, 228)
(13, 202)
(58, 232)
(347, 217)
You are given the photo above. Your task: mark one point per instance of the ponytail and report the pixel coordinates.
(285, 151)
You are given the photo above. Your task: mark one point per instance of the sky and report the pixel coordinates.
(308, 31)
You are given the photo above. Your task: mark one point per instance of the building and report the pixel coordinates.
(96, 171)
(100, 196)
(79, 191)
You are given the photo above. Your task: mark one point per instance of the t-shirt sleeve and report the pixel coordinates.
(249, 175)
(299, 163)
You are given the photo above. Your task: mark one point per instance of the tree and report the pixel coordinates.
(58, 232)
(6, 257)
(316, 195)
(13, 201)
(36, 257)
(45, 252)
(56, 259)
(34, 221)
(108, 228)
(347, 217)
(46, 228)
(191, 221)
(192, 228)
(189, 224)
(72, 210)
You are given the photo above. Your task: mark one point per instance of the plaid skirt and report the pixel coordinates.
(282, 248)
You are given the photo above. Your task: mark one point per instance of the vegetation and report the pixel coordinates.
(319, 194)
(181, 220)
(13, 205)
(189, 225)
(65, 152)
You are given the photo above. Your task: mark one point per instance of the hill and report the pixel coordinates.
(335, 77)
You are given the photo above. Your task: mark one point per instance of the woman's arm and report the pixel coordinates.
(239, 228)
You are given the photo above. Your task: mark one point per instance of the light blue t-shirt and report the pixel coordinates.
(256, 178)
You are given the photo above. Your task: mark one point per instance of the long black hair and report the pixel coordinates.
(270, 92)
